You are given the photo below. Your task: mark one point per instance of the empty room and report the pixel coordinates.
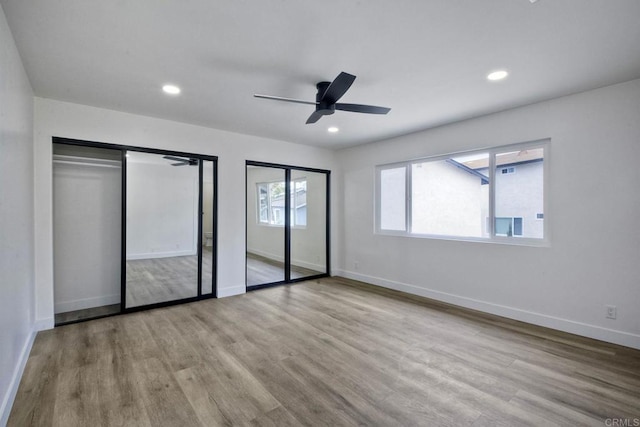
(284, 213)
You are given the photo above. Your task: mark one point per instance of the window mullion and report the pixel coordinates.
(492, 194)
(408, 198)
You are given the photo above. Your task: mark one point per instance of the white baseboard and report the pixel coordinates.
(9, 397)
(268, 255)
(44, 324)
(153, 255)
(81, 304)
(578, 328)
(310, 266)
(296, 262)
(229, 292)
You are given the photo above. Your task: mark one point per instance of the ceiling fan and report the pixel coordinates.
(181, 161)
(327, 99)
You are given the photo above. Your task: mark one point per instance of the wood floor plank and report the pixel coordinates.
(176, 351)
(340, 398)
(309, 409)
(162, 397)
(202, 401)
(237, 394)
(552, 411)
(37, 392)
(278, 417)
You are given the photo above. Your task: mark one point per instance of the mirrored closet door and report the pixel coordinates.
(170, 228)
(162, 228)
(287, 224)
(208, 236)
(134, 228)
(308, 195)
(265, 225)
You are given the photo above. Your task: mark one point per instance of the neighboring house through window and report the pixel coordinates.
(483, 195)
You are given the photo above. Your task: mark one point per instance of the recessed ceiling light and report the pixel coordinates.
(171, 89)
(497, 75)
(333, 129)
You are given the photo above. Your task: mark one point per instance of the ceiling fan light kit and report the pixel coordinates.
(327, 99)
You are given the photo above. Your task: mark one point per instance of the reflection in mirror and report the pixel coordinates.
(265, 225)
(207, 227)
(162, 228)
(308, 223)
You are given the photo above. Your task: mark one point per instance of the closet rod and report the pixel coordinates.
(68, 162)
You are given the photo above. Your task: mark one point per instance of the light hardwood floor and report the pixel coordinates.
(325, 352)
(261, 270)
(157, 280)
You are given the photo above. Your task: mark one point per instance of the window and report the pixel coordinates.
(506, 171)
(474, 195)
(299, 203)
(392, 199)
(271, 203)
(508, 227)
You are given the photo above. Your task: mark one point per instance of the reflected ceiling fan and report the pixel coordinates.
(327, 99)
(181, 161)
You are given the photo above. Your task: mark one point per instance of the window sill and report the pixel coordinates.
(512, 241)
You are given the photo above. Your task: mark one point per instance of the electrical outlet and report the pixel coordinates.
(356, 264)
(612, 312)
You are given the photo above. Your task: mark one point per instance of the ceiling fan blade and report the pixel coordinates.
(280, 98)
(174, 158)
(314, 117)
(179, 164)
(359, 108)
(338, 87)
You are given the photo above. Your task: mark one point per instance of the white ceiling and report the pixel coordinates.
(426, 59)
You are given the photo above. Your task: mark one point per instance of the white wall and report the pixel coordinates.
(592, 218)
(54, 118)
(87, 240)
(16, 219)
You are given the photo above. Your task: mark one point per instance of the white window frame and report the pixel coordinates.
(513, 226)
(268, 222)
(493, 238)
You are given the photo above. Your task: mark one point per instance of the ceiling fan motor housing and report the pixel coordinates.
(324, 107)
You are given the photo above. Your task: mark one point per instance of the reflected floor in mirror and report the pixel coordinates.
(87, 313)
(262, 270)
(155, 280)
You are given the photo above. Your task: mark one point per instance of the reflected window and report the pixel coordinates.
(271, 203)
